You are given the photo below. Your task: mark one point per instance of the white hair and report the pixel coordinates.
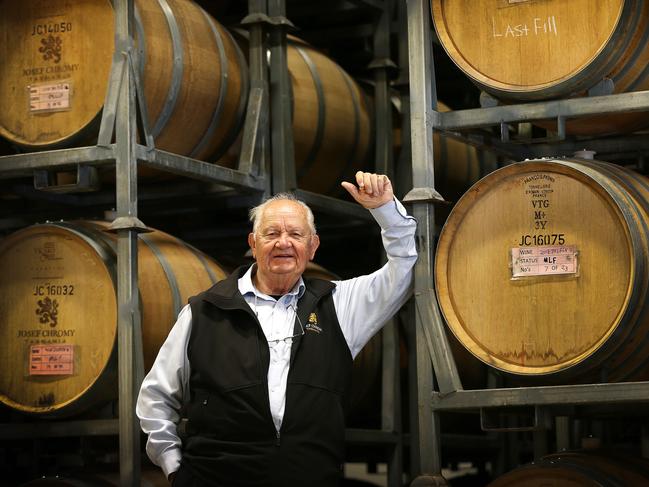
(256, 213)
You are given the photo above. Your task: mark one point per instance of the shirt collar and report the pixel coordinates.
(247, 287)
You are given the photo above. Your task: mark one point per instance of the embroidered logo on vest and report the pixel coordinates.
(312, 324)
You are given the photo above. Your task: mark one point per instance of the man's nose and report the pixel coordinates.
(283, 240)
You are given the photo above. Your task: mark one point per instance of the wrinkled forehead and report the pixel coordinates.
(284, 213)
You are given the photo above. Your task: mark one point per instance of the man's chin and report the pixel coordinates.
(285, 269)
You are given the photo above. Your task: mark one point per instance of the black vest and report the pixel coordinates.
(232, 440)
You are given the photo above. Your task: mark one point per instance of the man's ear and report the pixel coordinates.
(251, 243)
(315, 243)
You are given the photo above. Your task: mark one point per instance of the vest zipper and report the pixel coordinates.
(277, 436)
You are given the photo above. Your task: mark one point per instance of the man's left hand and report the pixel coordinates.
(373, 190)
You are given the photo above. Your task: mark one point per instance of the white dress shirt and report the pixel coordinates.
(363, 305)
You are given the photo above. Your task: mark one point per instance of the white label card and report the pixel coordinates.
(49, 97)
(543, 261)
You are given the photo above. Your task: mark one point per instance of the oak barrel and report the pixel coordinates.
(57, 57)
(332, 120)
(333, 128)
(521, 50)
(541, 270)
(579, 469)
(58, 310)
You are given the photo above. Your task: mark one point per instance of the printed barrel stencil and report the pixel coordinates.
(58, 310)
(541, 271)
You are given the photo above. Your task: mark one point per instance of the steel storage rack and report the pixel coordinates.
(266, 138)
(435, 362)
(120, 118)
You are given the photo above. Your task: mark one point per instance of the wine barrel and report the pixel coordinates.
(577, 468)
(56, 63)
(541, 271)
(550, 49)
(332, 120)
(58, 310)
(333, 127)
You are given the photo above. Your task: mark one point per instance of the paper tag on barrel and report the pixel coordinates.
(49, 97)
(544, 261)
(51, 360)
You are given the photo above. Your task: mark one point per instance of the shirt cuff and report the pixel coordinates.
(390, 214)
(170, 462)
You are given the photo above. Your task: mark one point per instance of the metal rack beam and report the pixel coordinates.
(382, 67)
(283, 151)
(24, 164)
(129, 333)
(449, 395)
(580, 394)
(430, 338)
(195, 169)
(12, 166)
(574, 107)
(257, 159)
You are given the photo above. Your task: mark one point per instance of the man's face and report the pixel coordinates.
(283, 244)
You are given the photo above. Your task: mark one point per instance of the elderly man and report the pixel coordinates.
(260, 363)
